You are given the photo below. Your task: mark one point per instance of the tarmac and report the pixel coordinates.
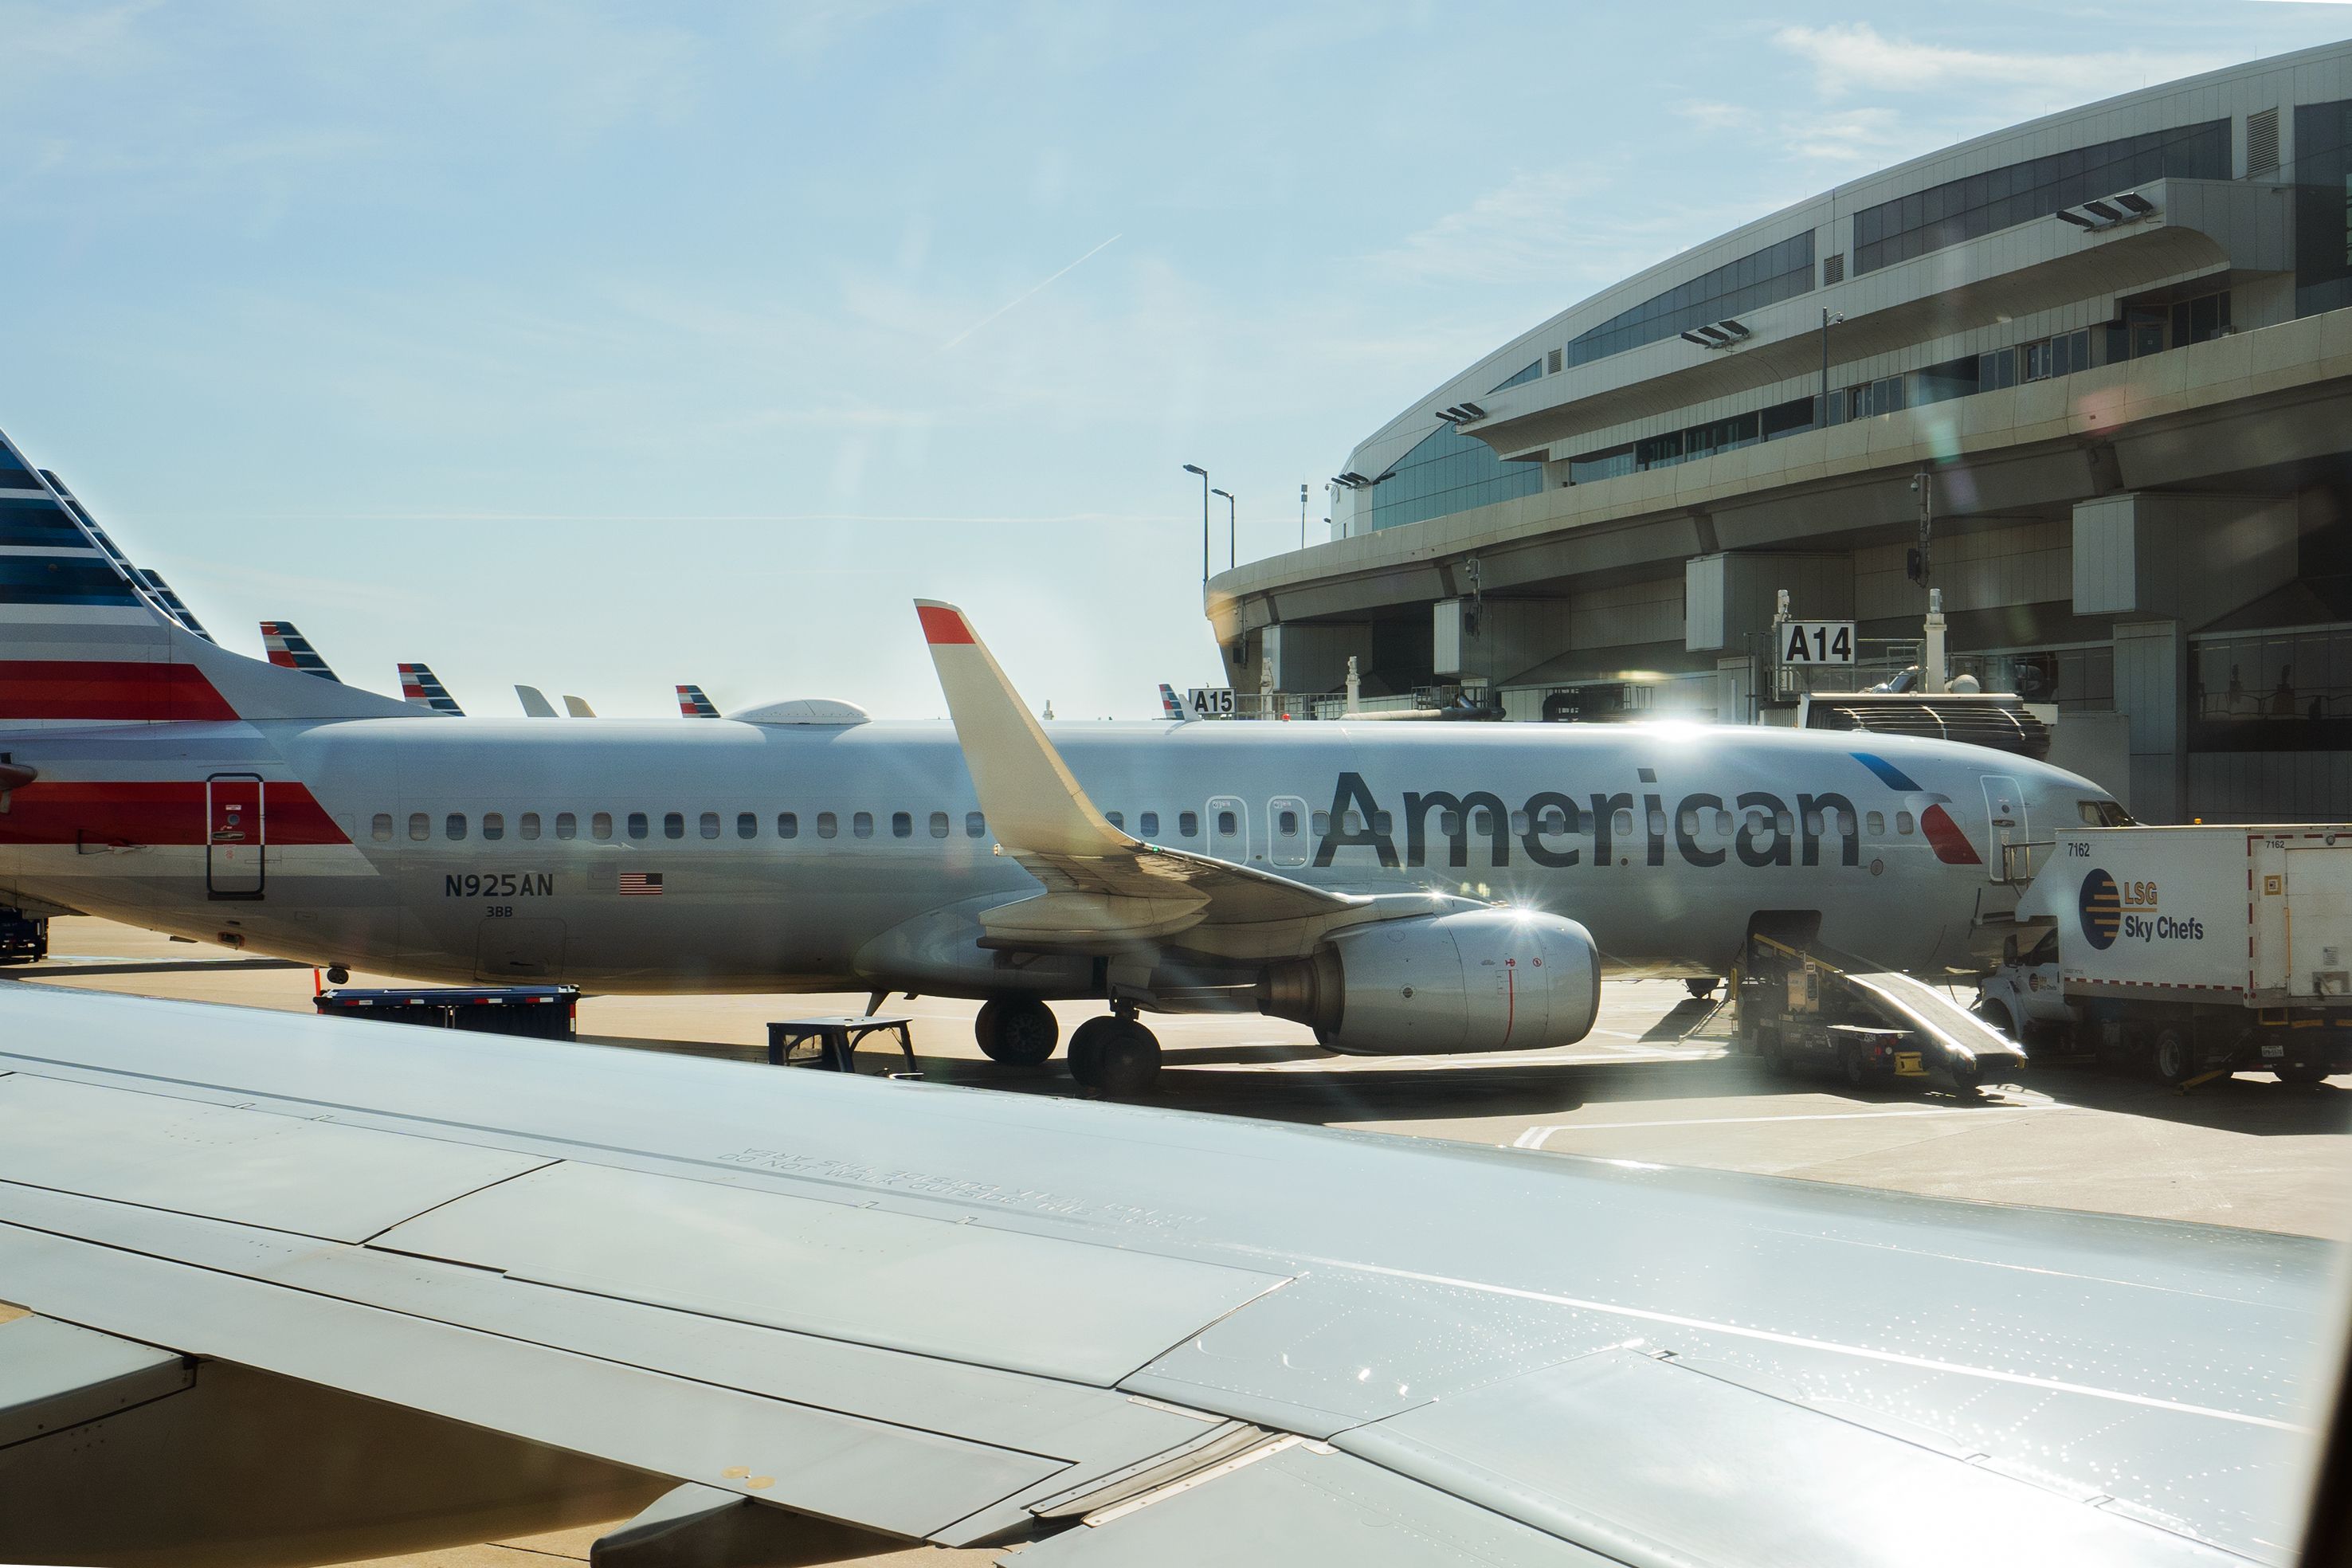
(1656, 1081)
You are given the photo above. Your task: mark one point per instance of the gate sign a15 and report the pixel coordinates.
(1817, 642)
(1210, 702)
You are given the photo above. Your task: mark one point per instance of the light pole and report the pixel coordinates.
(1231, 532)
(1302, 514)
(1196, 468)
(1827, 320)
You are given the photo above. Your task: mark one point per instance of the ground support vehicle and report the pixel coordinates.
(24, 939)
(1800, 1006)
(2197, 952)
(540, 1012)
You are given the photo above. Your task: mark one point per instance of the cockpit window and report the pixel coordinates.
(2103, 814)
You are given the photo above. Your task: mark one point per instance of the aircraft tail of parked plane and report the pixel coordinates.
(420, 686)
(577, 707)
(534, 701)
(693, 704)
(289, 650)
(1171, 705)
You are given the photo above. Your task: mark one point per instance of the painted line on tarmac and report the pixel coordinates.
(1533, 1137)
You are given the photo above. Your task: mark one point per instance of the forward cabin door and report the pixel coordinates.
(1228, 828)
(2004, 825)
(233, 837)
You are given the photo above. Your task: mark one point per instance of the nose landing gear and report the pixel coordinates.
(1115, 1055)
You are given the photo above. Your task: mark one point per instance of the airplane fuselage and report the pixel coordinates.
(664, 855)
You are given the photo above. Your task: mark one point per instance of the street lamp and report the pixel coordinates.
(1232, 557)
(1827, 320)
(1196, 468)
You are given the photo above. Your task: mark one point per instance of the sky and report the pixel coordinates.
(603, 347)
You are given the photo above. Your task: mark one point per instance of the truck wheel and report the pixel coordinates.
(2302, 1072)
(1860, 1070)
(1995, 1016)
(1776, 1054)
(2171, 1056)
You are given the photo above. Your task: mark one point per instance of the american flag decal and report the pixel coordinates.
(642, 882)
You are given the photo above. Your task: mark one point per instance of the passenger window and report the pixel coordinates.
(1903, 824)
(1814, 822)
(1226, 825)
(902, 824)
(710, 825)
(939, 824)
(1449, 823)
(1116, 819)
(975, 825)
(601, 824)
(1287, 823)
(1150, 825)
(566, 825)
(1188, 825)
(1876, 823)
(673, 824)
(828, 825)
(1723, 824)
(381, 826)
(747, 824)
(1384, 823)
(454, 825)
(1553, 820)
(420, 827)
(494, 825)
(1690, 824)
(637, 824)
(862, 824)
(529, 825)
(1319, 824)
(1624, 823)
(1657, 822)
(788, 825)
(1355, 820)
(1784, 823)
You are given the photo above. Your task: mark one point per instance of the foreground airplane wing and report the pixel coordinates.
(1101, 884)
(308, 1290)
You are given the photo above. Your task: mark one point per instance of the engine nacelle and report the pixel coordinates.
(1483, 980)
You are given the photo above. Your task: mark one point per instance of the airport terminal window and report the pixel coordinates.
(975, 825)
(862, 824)
(494, 825)
(673, 824)
(529, 825)
(2062, 355)
(1188, 825)
(638, 825)
(1446, 472)
(708, 825)
(1520, 377)
(902, 825)
(2322, 207)
(939, 824)
(2288, 691)
(1150, 825)
(1984, 203)
(788, 825)
(1761, 278)
(420, 827)
(601, 824)
(747, 824)
(567, 825)
(381, 826)
(454, 825)
(828, 825)
(1996, 370)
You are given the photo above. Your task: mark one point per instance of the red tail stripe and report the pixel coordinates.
(156, 813)
(942, 625)
(107, 689)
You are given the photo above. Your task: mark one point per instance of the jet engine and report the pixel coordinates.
(1483, 980)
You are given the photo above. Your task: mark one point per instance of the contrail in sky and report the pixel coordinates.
(1065, 272)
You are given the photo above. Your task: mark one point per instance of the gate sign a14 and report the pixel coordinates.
(1816, 642)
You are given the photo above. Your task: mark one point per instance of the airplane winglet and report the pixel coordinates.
(1026, 791)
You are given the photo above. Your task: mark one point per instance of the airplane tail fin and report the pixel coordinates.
(289, 650)
(419, 687)
(693, 704)
(85, 638)
(577, 708)
(1170, 708)
(534, 701)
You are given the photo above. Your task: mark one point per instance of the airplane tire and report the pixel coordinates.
(2171, 1056)
(1085, 1048)
(337, 974)
(1701, 987)
(1018, 1031)
(1127, 1062)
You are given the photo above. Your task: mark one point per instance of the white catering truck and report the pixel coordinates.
(2192, 949)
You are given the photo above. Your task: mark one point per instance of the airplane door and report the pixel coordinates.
(1228, 828)
(2005, 824)
(1286, 817)
(233, 842)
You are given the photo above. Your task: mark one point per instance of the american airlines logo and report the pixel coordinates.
(1770, 831)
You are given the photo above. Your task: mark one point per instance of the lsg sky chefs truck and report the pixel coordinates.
(2192, 950)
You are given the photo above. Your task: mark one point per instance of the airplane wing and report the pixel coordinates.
(1102, 885)
(307, 1290)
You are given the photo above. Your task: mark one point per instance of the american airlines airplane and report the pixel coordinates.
(288, 649)
(420, 688)
(693, 704)
(1399, 888)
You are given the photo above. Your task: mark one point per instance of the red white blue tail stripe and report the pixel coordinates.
(420, 686)
(693, 704)
(289, 650)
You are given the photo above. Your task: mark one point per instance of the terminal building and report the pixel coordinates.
(2113, 348)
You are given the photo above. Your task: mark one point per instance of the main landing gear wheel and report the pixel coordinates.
(1127, 1062)
(1701, 987)
(1019, 1031)
(1086, 1047)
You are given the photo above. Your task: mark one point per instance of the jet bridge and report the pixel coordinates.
(1803, 1004)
